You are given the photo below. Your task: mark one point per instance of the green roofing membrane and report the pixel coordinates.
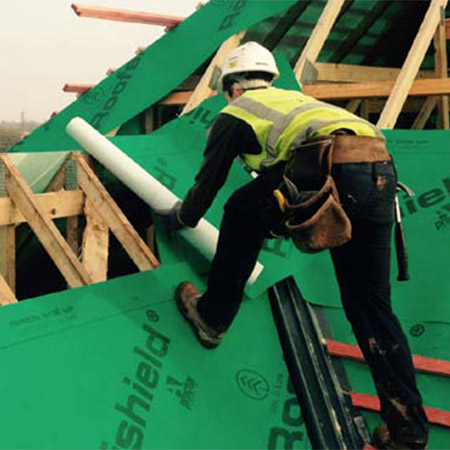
(74, 351)
(114, 365)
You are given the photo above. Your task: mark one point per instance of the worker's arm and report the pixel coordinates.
(228, 138)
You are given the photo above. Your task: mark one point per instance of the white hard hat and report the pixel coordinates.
(250, 57)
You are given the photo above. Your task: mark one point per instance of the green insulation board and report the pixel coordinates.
(155, 72)
(114, 365)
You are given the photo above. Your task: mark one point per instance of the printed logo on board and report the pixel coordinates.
(123, 77)
(162, 174)
(134, 409)
(289, 432)
(229, 20)
(184, 390)
(417, 330)
(439, 197)
(152, 315)
(252, 384)
(93, 96)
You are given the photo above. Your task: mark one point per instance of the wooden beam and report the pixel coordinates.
(412, 64)
(149, 120)
(365, 109)
(351, 73)
(7, 296)
(121, 15)
(412, 105)
(95, 244)
(57, 182)
(447, 28)
(77, 88)
(353, 105)
(204, 89)
(72, 233)
(441, 68)
(177, 98)
(114, 217)
(424, 113)
(54, 204)
(8, 255)
(319, 36)
(173, 99)
(421, 363)
(45, 230)
(372, 403)
(419, 88)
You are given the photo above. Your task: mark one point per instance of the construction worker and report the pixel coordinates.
(263, 125)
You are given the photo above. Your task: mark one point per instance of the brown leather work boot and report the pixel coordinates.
(187, 296)
(382, 440)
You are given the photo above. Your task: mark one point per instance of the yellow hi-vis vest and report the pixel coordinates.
(282, 120)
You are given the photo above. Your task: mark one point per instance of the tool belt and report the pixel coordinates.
(314, 217)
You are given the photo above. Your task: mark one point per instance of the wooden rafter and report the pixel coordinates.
(412, 105)
(317, 40)
(372, 403)
(204, 89)
(413, 61)
(94, 253)
(441, 68)
(356, 91)
(8, 254)
(6, 294)
(54, 204)
(175, 98)
(421, 363)
(352, 39)
(447, 28)
(75, 191)
(77, 88)
(121, 15)
(42, 225)
(353, 105)
(376, 89)
(113, 216)
(424, 113)
(351, 73)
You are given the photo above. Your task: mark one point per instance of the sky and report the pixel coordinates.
(44, 45)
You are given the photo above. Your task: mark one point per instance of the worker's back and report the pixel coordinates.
(283, 120)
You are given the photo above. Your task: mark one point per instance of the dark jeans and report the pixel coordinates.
(362, 268)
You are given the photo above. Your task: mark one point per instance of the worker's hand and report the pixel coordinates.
(171, 218)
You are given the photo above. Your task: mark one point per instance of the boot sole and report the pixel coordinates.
(184, 312)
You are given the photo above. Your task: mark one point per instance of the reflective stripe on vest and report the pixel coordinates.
(283, 120)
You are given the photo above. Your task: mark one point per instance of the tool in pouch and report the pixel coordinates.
(315, 219)
(400, 242)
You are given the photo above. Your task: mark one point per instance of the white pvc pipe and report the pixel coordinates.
(204, 236)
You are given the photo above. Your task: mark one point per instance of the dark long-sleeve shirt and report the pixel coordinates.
(229, 137)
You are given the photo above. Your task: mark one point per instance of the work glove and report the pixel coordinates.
(171, 218)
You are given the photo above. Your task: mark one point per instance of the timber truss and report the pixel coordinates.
(74, 191)
(384, 91)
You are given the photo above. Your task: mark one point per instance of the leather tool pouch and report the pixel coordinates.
(315, 219)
